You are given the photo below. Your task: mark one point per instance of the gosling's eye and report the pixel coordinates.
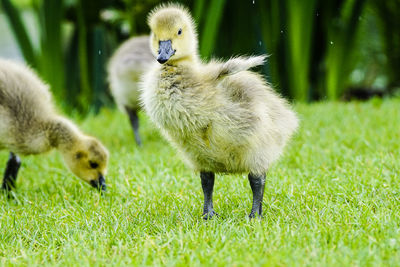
(93, 165)
(179, 31)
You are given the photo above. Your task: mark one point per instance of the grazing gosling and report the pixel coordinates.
(30, 125)
(221, 117)
(125, 67)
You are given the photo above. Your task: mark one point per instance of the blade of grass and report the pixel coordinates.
(198, 10)
(273, 33)
(85, 93)
(339, 63)
(52, 60)
(300, 28)
(211, 26)
(99, 59)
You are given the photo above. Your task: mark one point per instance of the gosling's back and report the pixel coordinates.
(126, 66)
(25, 104)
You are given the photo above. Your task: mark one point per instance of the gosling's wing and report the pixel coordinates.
(237, 64)
(20, 84)
(216, 70)
(24, 100)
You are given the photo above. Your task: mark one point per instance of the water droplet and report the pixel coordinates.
(99, 52)
(331, 42)
(317, 14)
(281, 31)
(253, 2)
(259, 43)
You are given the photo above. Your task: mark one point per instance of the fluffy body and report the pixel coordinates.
(29, 124)
(125, 67)
(232, 124)
(221, 117)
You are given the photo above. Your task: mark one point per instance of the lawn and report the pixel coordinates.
(333, 199)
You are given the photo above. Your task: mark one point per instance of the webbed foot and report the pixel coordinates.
(209, 215)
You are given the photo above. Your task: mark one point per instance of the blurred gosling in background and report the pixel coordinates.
(29, 124)
(125, 67)
(221, 117)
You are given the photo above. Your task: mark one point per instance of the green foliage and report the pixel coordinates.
(23, 3)
(211, 26)
(51, 58)
(313, 44)
(342, 36)
(388, 12)
(64, 61)
(332, 200)
(83, 55)
(19, 31)
(312, 61)
(48, 59)
(272, 20)
(300, 16)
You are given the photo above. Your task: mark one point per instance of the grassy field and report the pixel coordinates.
(333, 199)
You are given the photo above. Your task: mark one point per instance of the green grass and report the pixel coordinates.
(332, 200)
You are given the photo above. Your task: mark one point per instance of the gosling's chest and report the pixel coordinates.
(171, 86)
(174, 103)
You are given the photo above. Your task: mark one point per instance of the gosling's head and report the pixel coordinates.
(173, 34)
(88, 159)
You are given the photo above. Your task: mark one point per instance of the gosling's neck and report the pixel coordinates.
(190, 60)
(63, 134)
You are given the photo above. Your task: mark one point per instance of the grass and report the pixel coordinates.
(333, 199)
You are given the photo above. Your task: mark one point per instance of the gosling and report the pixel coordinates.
(125, 67)
(30, 125)
(221, 117)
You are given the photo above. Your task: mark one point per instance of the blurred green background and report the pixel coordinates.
(332, 49)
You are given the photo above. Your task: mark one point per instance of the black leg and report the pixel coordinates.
(257, 184)
(10, 175)
(134, 119)
(207, 183)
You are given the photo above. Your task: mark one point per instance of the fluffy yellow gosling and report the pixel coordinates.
(220, 116)
(29, 124)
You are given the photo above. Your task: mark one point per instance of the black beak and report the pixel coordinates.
(99, 184)
(165, 51)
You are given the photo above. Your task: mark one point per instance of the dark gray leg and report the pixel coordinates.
(207, 183)
(134, 119)
(257, 184)
(10, 175)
